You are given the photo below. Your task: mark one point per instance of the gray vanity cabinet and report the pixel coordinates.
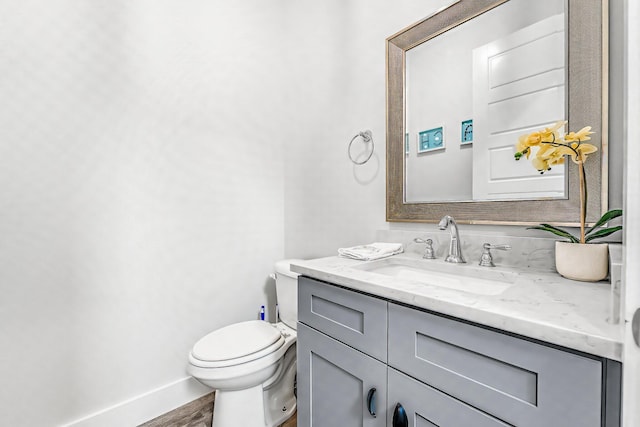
(338, 384)
(437, 371)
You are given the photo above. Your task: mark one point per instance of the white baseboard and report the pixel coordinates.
(146, 406)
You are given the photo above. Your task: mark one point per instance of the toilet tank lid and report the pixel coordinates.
(284, 267)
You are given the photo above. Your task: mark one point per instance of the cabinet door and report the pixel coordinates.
(518, 381)
(427, 407)
(334, 383)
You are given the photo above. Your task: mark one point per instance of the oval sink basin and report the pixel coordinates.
(461, 277)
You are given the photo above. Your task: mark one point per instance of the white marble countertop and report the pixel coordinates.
(539, 305)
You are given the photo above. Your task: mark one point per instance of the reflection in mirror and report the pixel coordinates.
(585, 104)
(471, 91)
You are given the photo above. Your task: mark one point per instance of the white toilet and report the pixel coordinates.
(252, 365)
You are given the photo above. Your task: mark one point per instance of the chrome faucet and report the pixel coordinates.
(455, 251)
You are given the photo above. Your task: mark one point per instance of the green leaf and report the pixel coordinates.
(603, 233)
(608, 216)
(556, 231)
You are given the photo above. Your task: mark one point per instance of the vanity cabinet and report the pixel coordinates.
(434, 370)
(342, 353)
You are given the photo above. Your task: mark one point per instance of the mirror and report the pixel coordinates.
(504, 72)
(454, 153)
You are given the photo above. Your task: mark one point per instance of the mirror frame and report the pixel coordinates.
(587, 94)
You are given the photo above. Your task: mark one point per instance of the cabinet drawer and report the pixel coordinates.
(355, 319)
(515, 380)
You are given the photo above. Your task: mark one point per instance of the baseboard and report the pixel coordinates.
(146, 406)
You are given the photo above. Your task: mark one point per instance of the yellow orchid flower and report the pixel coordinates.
(581, 151)
(581, 135)
(547, 156)
(576, 150)
(554, 161)
(552, 150)
(555, 156)
(533, 139)
(545, 150)
(540, 164)
(551, 134)
(563, 150)
(525, 142)
(537, 139)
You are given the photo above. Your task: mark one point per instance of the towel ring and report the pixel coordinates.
(366, 137)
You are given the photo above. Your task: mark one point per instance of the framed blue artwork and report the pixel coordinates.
(430, 140)
(406, 143)
(466, 132)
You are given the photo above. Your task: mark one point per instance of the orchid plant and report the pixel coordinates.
(551, 150)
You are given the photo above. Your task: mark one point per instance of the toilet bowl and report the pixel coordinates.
(252, 364)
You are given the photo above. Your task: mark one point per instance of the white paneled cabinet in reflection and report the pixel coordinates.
(518, 87)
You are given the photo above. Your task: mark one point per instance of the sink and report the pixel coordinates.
(462, 277)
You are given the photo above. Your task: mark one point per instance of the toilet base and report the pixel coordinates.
(239, 408)
(246, 407)
(281, 401)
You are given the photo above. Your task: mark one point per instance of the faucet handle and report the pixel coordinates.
(428, 250)
(486, 260)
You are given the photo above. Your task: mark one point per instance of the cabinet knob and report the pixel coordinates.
(371, 402)
(400, 417)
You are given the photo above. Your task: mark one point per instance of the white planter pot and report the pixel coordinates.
(585, 262)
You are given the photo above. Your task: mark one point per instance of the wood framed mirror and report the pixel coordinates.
(585, 23)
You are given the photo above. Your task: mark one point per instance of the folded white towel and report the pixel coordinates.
(371, 251)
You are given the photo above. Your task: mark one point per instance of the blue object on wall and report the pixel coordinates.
(466, 132)
(432, 139)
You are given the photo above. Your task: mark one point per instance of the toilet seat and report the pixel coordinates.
(236, 344)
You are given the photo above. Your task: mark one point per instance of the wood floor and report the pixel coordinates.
(198, 413)
(291, 422)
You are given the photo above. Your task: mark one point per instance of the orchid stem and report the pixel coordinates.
(583, 201)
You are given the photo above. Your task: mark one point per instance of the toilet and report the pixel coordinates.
(252, 364)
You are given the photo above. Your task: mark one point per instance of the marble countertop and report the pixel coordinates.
(539, 305)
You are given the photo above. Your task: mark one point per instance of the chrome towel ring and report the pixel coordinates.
(366, 138)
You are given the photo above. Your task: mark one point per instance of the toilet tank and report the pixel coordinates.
(287, 292)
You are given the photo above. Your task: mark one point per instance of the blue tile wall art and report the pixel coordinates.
(430, 140)
(466, 132)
